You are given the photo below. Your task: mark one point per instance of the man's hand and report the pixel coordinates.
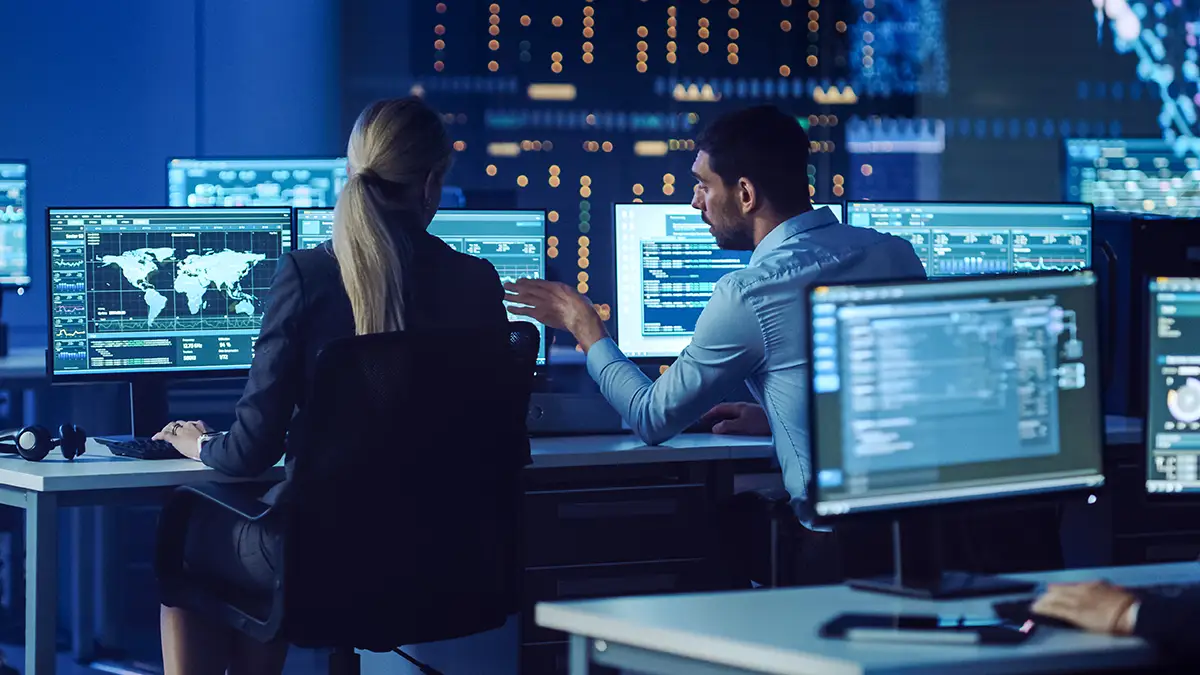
(743, 419)
(184, 437)
(558, 306)
(1097, 606)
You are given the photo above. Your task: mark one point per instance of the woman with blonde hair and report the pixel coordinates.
(381, 272)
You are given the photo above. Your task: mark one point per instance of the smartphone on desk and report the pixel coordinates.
(927, 629)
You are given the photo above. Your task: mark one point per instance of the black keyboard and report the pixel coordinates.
(140, 448)
(1018, 611)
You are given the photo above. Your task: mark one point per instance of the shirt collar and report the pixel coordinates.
(809, 220)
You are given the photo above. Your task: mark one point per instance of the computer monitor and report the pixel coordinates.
(513, 241)
(667, 266)
(965, 239)
(14, 246)
(266, 181)
(147, 294)
(1137, 175)
(944, 391)
(1173, 367)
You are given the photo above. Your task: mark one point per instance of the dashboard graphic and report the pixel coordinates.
(1132, 175)
(897, 369)
(14, 247)
(255, 182)
(513, 241)
(160, 290)
(667, 266)
(955, 239)
(1173, 411)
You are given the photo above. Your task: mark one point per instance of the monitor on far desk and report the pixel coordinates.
(266, 181)
(1135, 175)
(514, 241)
(667, 265)
(14, 244)
(957, 239)
(154, 294)
(938, 392)
(1173, 408)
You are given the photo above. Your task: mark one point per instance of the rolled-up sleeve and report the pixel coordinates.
(726, 348)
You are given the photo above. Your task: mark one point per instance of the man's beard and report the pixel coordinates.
(737, 236)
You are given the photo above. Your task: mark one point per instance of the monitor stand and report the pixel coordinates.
(918, 570)
(148, 407)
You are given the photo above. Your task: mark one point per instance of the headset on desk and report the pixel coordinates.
(33, 443)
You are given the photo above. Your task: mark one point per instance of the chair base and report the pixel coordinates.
(345, 662)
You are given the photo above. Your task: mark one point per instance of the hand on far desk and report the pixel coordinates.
(743, 419)
(1096, 606)
(184, 436)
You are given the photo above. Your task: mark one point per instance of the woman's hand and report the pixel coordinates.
(1097, 606)
(184, 436)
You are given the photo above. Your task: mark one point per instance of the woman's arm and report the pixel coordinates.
(256, 441)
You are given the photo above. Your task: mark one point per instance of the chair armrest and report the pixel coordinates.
(227, 497)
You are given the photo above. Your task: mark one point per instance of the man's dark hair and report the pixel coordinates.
(765, 145)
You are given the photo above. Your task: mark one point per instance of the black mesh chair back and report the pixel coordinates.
(401, 522)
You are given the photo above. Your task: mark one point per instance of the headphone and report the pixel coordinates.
(35, 442)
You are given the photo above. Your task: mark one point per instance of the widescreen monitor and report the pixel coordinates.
(1173, 367)
(14, 245)
(667, 266)
(514, 241)
(266, 181)
(136, 291)
(953, 390)
(1135, 175)
(965, 239)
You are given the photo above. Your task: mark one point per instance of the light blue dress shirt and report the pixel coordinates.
(755, 329)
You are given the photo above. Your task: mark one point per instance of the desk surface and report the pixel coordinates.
(24, 363)
(99, 469)
(775, 631)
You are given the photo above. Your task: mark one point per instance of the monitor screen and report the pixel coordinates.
(157, 290)
(667, 266)
(1173, 411)
(1136, 175)
(255, 182)
(970, 239)
(14, 249)
(954, 390)
(513, 241)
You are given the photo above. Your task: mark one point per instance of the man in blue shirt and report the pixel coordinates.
(752, 190)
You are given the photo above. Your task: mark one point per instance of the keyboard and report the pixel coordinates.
(140, 448)
(1018, 611)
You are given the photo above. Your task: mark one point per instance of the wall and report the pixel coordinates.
(101, 94)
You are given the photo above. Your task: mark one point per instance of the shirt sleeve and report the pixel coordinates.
(1169, 623)
(726, 348)
(257, 439)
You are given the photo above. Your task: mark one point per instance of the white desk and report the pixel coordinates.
(99, 478)
(775, 631)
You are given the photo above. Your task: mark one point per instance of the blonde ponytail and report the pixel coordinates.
(396, 149)
(369, 260)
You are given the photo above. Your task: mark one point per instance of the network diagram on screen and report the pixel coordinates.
(1173, 413)
(902, 374)
(668, 264)
(161, 289)
(255, 182)
(969, 239)
(513, 241)
(14, 252)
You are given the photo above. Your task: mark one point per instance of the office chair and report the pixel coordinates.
(401, 521)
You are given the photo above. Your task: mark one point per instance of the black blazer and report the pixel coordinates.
(1170, 623)
(308, 308)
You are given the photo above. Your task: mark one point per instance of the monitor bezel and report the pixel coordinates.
(545, 259)
(1149, 320)
(616, 313)
(240, 158)
(126, 376)
(893, 510)
(7, 286)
